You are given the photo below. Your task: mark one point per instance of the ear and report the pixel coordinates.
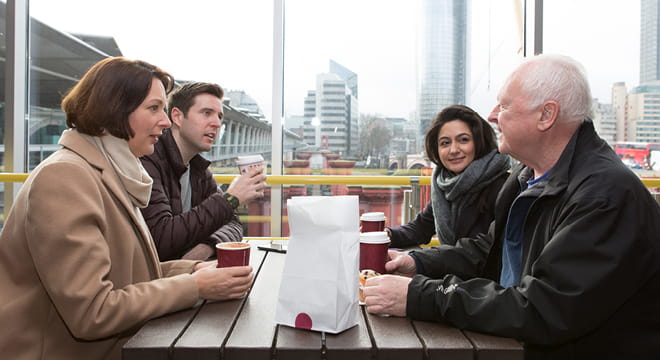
(549, 115)
(177, 116)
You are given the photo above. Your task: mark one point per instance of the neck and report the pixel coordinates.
(186, 155)
(551, 147)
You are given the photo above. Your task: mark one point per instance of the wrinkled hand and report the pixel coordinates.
(400, 263)
(248, 186)
(386, 294)
(223, 283)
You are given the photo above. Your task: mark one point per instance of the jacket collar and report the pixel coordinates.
(168, 146)
(584, 137)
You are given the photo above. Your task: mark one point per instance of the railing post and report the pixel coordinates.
(413, 206)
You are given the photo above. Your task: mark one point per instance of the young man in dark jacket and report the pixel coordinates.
(576, 237)
(187, 213)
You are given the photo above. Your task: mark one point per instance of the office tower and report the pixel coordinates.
(620, 106)
(347, 75)
(604, 121)
(649, 57)
(643, 114)
(443, 66)
(331, 112)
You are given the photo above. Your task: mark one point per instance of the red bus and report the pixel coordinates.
(639, 155)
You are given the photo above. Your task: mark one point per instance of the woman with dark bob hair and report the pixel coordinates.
(468, 175)
(79, 273)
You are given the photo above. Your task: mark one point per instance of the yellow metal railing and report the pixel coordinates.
(334, 180)
(314, 180)
(321, 179)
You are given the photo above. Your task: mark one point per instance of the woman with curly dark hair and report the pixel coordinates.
(468, 175)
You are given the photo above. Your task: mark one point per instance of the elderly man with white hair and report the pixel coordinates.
(576, 235)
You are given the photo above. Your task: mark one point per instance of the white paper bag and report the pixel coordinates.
(319, 288)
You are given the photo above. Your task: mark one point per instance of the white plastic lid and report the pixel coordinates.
(249, 159)
(374, 237)
(373, 216)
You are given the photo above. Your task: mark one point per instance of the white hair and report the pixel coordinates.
(559, 78)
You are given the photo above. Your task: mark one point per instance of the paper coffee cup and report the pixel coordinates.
(245, 163)
(233, 254)
(372, 221)
(373, 251)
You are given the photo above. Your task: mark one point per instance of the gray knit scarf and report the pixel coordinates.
(450, 193)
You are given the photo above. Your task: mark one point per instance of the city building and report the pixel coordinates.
(619, 106)
(604, 121)
(331, 112)
(643, 122)
(240, 100)
(443, 59)
(649, 57)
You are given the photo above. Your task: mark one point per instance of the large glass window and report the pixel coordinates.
(387, 67)
(225, 42)
(362, 79)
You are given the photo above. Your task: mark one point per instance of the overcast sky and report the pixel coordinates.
(230, 42)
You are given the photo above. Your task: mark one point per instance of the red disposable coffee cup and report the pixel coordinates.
(233, 254)
(373, 251)
(372, 221)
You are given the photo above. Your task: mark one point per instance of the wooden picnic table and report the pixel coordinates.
(245, 329)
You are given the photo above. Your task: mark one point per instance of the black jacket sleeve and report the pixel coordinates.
(417, 232)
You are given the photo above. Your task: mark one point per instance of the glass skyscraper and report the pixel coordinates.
(443, 63)
(649, 66)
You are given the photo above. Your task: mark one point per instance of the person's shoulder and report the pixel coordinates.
(606, 178)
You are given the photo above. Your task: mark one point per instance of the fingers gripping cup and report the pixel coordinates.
(248, 162)
(373, 251)
(372, 221)
(233, 254)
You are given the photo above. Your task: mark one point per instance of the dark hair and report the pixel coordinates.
(110, 90)
(482, 133)
(183, 97)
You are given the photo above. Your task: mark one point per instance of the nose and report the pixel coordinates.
(164, 121)
(453, 147)
(216, 120)
(492, 117)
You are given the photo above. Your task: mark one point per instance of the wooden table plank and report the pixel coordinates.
(443, 341)
(205, 335)
(394, 338)
(354, 343)
(154, 340)
(254, 333)
(297, 344)
(489, 347)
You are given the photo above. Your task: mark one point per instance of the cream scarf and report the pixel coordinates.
(128, 168)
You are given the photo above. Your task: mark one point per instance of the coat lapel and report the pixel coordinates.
(76, 143)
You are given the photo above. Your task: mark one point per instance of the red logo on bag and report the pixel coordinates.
(303, 321)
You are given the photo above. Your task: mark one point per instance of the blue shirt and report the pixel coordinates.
(513, 233)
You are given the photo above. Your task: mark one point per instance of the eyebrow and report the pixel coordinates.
(448, 137)
(156, 99)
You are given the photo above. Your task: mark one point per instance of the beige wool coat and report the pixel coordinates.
(78, 275)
